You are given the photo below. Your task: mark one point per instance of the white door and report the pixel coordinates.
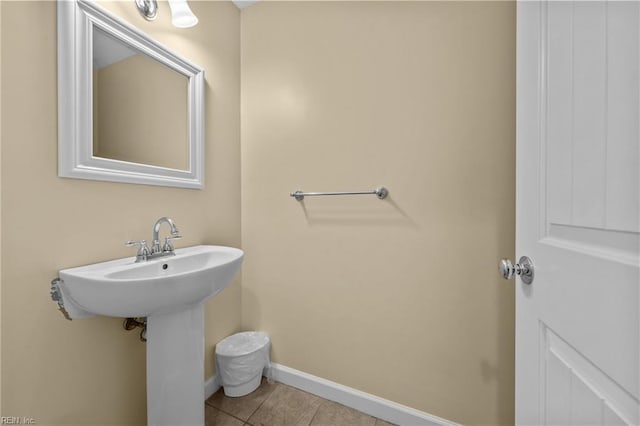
(578, 191)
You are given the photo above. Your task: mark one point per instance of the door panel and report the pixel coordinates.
(622, 191)
(592, 115)
(578, 186)
(578, 392)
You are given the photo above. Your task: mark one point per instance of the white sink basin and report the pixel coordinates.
(170, 292)
(122, 288)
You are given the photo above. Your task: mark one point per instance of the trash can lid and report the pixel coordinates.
(242, 343)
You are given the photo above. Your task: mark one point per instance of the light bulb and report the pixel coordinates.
(181, 14)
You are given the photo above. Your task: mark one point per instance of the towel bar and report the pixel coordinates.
(381, 192)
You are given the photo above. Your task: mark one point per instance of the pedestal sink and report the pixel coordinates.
(170, 292)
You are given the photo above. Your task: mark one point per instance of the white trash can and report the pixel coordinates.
(240, 361)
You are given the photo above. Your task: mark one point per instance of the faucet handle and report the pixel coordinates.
(167, 246)
(143, 250)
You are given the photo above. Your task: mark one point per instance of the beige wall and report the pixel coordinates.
(91, 371)
(399, 298)
(0, 211)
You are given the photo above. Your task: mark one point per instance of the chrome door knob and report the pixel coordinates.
(524, 268)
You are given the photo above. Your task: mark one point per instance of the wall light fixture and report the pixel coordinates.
(181, 14)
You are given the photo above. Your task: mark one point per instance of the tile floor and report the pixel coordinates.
(275, 404)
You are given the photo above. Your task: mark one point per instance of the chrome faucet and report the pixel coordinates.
(167, 247)
(144, 253)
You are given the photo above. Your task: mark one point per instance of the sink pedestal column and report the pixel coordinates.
(175, 367)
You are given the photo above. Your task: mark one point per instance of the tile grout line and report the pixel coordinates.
(244, 422)
(247, 423)
(234, 416)
(317, 410)
(228, 414)
(262, 403)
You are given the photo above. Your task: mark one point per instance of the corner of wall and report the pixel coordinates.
(1, 209)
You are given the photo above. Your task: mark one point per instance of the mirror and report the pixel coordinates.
(129, 109)
(127, 87)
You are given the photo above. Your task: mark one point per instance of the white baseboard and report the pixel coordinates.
(361, 401)
(211, 386)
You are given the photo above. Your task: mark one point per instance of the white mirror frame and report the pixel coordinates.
(76, 19)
